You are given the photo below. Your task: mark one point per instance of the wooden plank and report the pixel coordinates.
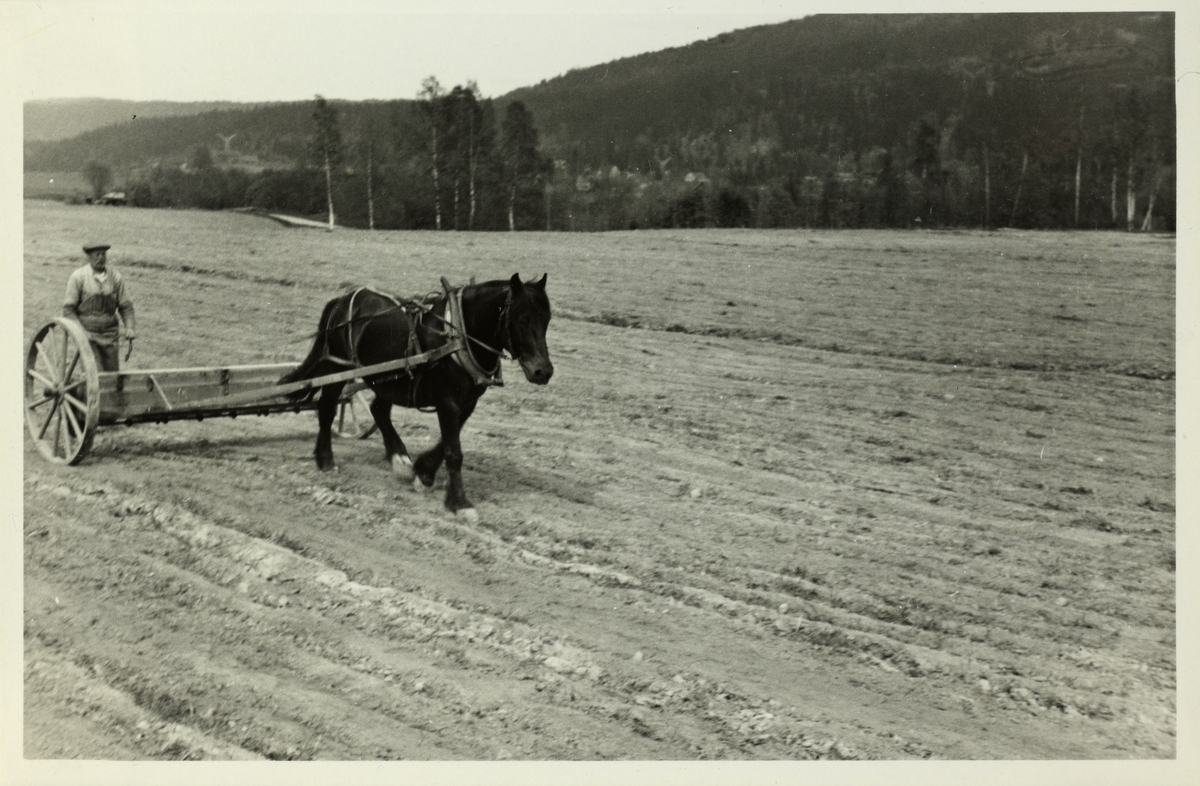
(111, 418)
(143, 391)
(277, 391)
(142, 394)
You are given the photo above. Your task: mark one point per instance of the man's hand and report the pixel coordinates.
(129, 351)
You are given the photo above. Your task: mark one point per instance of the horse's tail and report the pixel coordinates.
(308, 367)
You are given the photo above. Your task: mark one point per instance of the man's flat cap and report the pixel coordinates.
(90, 247)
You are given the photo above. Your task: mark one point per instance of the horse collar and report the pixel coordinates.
(506, 326)
(463, 355)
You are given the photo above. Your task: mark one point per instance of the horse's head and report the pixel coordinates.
(528, 317)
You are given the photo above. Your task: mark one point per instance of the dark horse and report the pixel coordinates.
(366, 327)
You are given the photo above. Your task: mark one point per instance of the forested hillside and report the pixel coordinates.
(63, 118)
(1025, 120)
(845, 120)
(271, 133)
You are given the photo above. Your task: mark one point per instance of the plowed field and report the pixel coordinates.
(790, 495)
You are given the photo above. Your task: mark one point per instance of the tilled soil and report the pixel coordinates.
(690, 546)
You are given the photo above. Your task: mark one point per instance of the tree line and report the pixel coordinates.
(1113, 168)
(445, 163)
(442, 162)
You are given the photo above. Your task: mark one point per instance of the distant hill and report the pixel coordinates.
(847, 83)
(1035, 120)
(63, 118)
(255, 135)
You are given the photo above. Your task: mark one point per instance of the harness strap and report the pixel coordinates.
(351, 341)
(459, 341)
(463, 356)
(341, 361)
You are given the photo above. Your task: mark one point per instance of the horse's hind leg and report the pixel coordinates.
(326, 410)
(394, 451)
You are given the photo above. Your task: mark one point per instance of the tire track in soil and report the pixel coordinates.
(844, 619)
(975, 563)
(740, 598)
(207, 557)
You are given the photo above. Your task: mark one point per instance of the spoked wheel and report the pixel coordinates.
(62, 391)
(354, 419)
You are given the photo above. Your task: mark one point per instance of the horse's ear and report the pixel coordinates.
(515, 281)
(540, 283)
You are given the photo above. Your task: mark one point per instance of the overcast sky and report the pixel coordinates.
(288, 50)
(264, 50)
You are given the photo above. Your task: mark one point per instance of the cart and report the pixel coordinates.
(67, 397)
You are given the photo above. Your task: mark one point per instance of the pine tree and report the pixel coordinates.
(99, 176)
(524, 166)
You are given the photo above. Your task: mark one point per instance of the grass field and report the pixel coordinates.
(1020, 300)
(790, 495)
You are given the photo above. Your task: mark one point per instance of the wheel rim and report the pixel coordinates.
(62, 392)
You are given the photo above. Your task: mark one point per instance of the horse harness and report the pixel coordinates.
(414, 310)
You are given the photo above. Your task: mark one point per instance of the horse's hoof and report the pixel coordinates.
(403, 467)
(419, 486)
(469, 514)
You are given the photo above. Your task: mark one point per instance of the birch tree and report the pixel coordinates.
(432, 99)
(1131, 132)
(362, 144)
(1078, 164)
(1012, 218)
(370, 184)
(474, 127)
(327, 147)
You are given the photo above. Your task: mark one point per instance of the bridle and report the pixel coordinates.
(505, 330)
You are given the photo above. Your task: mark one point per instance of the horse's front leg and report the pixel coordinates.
(456, 500)
(326, 411)
(451, 417)
(393, 447)
(427, 465)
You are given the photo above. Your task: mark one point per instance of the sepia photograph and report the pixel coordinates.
(707, 392)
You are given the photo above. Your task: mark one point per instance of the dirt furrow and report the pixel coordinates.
(691, 544)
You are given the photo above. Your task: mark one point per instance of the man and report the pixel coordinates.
(96, 294)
